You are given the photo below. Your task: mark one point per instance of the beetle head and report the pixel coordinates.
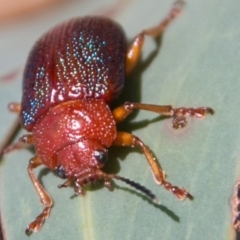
(81, 163)
(85, 156)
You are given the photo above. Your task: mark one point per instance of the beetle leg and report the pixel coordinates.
(127, 139)
(121, 112)
(178, 114)
(134, 51)
(24, 141)
(14, 107)
(5, 146)
(45, 199)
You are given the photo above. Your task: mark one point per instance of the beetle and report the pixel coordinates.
(72, 75)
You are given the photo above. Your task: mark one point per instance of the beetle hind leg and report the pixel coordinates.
(45, 199)
(134, 50)
(127, 139)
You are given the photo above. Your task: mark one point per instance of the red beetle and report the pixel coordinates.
(72, 74)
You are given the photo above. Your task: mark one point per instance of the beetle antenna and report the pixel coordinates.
(139, 187)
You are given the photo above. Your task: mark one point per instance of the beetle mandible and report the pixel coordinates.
(72, 74)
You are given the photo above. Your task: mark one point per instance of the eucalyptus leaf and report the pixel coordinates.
(196, 64)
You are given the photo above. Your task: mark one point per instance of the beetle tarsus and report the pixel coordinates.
(179, 122)
(14, 107)
(36, 225)
(180, 114)
(78, 189)
(180, 193)
(107, 184)
(65, 184)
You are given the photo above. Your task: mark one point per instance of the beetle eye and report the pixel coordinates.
(61, 172)
(101, 156)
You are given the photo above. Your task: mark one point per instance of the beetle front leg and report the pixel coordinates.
(127, 139)
(45, 199)
(134, 51)
(178, 114)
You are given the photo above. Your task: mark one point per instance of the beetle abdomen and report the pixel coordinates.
(80, 59)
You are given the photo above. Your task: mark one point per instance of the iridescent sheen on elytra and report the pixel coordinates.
(80, 59)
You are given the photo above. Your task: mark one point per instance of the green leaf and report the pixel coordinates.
(197, 65)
